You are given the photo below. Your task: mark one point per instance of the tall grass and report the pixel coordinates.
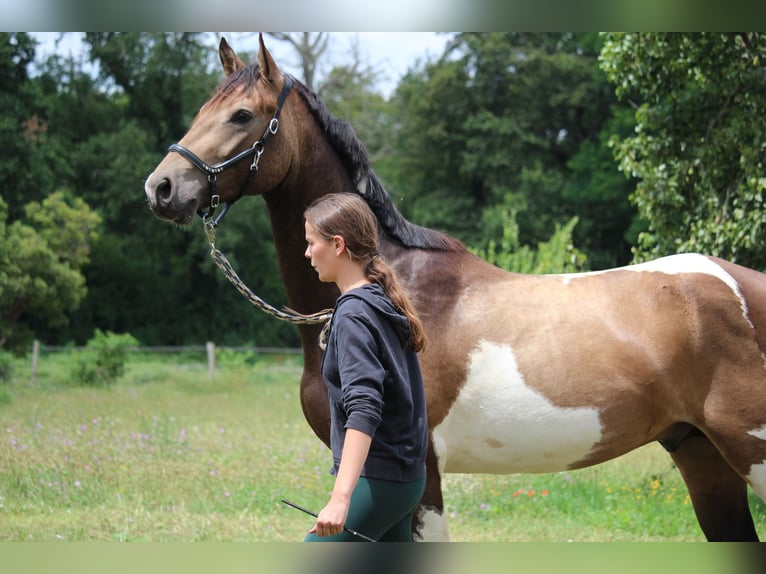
(168, 455)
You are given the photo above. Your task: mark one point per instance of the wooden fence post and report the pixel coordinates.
(210, 346)
(35, 359)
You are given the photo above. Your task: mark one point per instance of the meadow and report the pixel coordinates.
(168, 455)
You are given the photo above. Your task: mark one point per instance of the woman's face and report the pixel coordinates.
(322, 254)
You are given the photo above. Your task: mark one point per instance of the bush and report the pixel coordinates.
(103, 360)
(557, 255)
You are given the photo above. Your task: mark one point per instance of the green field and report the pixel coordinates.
(166, 454)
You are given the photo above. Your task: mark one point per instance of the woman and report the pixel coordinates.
(379, 431)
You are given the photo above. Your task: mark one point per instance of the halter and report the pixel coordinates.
(212, 171)
(210, 223)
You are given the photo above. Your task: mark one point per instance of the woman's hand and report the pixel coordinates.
(331, 519)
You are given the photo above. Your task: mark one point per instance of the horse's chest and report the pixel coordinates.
(499, 424)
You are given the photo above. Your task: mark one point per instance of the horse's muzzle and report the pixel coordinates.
(166, 204)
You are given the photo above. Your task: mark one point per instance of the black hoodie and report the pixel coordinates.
(375, 385)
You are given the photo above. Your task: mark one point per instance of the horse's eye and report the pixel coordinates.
(241, 117)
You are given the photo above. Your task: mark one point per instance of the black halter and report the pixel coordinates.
(256, 150)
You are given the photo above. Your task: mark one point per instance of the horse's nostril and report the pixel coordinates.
(164, 192)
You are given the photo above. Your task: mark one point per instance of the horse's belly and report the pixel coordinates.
(500, 425)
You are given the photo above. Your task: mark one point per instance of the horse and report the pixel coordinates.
(523, 373)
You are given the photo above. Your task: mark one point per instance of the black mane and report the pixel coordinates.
(355, 158)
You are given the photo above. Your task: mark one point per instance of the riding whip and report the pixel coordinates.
(354, 532)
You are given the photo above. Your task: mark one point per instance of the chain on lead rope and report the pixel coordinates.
(284, 314)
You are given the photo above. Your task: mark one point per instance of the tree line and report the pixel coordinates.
(543, 152)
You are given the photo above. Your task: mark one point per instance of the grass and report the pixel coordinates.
(168, 455)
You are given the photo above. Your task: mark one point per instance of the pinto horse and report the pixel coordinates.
(523, 373)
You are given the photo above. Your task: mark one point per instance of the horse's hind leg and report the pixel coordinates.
(718, 493)
(430, 522)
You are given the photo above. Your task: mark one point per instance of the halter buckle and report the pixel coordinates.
(256, 156)
(274, 126)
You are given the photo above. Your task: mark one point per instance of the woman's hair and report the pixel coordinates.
(349, 216)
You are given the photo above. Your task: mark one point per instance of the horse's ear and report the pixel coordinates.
(269, 69)
(229, 59)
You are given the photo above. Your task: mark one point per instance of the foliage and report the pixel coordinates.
(513, 119)
(557, 255)
(165, 76)
(699, 149)
(103, 360)
(609, 224)
(349, 93)
(28, 159)
(42, 259)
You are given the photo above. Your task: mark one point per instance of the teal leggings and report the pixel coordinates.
(380, 509)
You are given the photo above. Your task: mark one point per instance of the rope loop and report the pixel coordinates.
(285, 314)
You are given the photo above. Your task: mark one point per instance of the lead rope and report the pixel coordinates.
(284, 315)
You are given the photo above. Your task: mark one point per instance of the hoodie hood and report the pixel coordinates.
(375, 297)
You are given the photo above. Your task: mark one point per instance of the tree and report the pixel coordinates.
(598, 193)
(28, 158)
(557, 255)
(698, 149)
(500, 119)
(309, 46)
(163, 76)
(42, 260)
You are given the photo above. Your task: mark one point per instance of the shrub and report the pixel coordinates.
(103, 360)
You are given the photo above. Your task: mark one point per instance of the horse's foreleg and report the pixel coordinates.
(429, 522)
(718, 493)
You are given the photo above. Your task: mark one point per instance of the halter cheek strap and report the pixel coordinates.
(212, 171)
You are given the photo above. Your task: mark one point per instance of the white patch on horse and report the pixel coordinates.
(676, 264)
(759, 433)
(498, 424)
(757, 474)
(757, 479)
(435, 527)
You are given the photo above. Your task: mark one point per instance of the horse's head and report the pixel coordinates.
(218, 160)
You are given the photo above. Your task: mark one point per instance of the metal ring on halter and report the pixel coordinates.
(209, 220)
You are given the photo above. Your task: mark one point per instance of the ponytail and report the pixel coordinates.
(380, 272)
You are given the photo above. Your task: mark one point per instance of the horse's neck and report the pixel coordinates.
(320, 173)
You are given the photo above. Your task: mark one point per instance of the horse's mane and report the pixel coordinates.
(355, 158)
(353, 154)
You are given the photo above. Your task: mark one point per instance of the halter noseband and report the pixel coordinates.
(256, 150)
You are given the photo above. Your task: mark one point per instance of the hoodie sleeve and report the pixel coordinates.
(362, 374)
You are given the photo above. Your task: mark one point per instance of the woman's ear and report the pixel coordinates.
(339, 244)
